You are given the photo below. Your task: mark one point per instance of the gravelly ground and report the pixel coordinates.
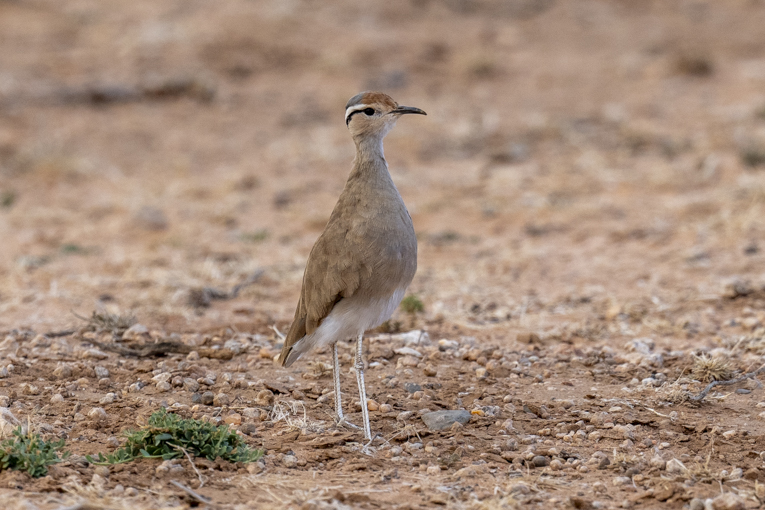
(587, 190)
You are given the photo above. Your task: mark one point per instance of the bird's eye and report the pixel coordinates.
(369, 111)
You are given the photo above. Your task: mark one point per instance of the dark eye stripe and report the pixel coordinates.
(354, 112)
(365, 111)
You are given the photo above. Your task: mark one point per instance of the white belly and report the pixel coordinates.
(349, 318)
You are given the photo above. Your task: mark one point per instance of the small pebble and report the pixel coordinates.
(233, 419)
(256, 467)
(97, 414)
(386, 408)
(220, 400)
(265, 398)
(412, 387)
(372, 405)
(57, 398)
(404, 415)
(676, 467)
(289, 461)
(433, 470)
(728, 501)
(63, 372)
(109, 398)
(249, 428)
(191, 385)
(208, 397)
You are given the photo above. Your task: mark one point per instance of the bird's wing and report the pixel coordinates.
(333, 272)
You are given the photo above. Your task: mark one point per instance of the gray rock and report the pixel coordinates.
(412, 387)
(208, 397)
(440, 420)
(190, 385)
(151, 218)
(540, 461)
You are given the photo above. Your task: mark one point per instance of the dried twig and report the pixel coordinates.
(191, 493)
(162, 349)
(145, 351)
(56, 334)
(201, 298)
(281, 335)
(193, 466)
(705, 391)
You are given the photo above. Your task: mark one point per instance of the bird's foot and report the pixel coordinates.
(343, 422)
(368, 449)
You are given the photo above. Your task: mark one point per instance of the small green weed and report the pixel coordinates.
(168, 436)
(254, 237)
(7, 199)
(28, 452)
(412, 304)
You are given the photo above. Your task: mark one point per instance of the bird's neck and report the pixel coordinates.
(370, 170)
(369, 150)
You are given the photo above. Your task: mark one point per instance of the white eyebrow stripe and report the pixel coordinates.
(355, 108)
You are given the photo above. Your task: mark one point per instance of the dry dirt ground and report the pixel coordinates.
(588, 191)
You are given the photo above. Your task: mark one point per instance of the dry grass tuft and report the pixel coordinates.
(711, 368)
(676, 395)
(8, 423)
(294, 414)
(108, 322)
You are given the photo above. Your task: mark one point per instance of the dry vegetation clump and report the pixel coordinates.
(711, 368)
(112, 322)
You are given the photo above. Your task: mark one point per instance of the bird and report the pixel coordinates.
(361, 265)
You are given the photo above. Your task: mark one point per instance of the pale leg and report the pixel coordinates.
(362, 388)
(336, 376)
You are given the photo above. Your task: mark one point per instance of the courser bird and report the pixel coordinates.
(361, 265)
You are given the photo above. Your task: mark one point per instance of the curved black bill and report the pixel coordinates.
(408, 109)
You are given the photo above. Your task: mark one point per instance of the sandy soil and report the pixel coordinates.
(588, 191)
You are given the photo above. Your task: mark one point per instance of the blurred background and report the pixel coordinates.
(581, 160)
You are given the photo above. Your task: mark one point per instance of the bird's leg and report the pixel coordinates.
(362, 389)
(336, 377)
(338, 402)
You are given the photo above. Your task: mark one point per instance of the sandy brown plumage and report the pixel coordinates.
(361, 265)
(368, 248)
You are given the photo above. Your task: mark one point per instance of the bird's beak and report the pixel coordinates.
(408, 109)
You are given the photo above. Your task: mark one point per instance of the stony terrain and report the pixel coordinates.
(588, 191)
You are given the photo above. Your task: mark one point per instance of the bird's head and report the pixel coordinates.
(370, 115)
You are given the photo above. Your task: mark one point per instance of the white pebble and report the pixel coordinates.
(109, 398)
(674, 466)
